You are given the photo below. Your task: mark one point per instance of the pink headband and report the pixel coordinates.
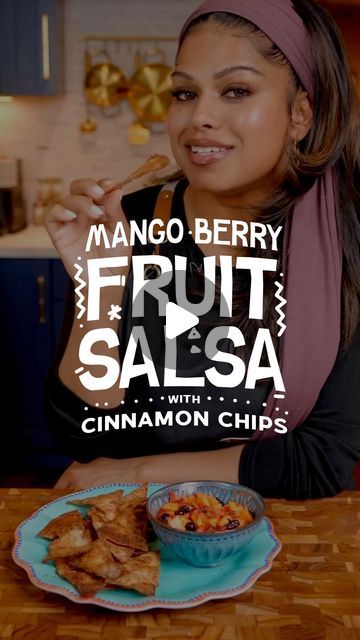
(279, 21)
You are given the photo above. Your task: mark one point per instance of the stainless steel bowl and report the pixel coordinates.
(206, 549)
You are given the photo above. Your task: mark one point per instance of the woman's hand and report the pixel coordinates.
(101, 471)
(222, 465)
(69, 222)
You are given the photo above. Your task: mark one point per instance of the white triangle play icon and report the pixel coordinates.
(178, 320)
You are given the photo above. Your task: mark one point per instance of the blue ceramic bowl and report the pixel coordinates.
(206, 549)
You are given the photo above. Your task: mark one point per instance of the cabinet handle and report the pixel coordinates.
(45, 46)
(41, 299)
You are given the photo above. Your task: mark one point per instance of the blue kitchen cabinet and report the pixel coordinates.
(29, 326)
(31, 47)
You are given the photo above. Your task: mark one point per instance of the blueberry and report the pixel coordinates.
(182, 510)
(164, 517)
(190, 526)
(232, 524)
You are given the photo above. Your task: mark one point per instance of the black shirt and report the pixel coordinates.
(316, 459)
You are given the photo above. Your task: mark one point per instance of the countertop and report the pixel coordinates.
(31, 242)
(312, 590)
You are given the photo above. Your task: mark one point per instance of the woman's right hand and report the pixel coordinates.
(69, 222)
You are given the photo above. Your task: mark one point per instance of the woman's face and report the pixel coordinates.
(229, 119)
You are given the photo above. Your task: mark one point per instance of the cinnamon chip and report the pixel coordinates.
(141, 573)
(128, 527)
(135, 499)
(124, 530)
(60, 525)
(131, 539)
(70, 544)
(85, 583)
(106, 549)
(107, 503)
(153, 163)
(120, 553)
(98, 560)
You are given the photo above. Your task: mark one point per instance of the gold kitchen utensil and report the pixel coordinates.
(138, 134)
(105, 83)
(88, 125)
(149, 89)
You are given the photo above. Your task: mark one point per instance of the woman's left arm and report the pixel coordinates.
(318, 458)
(222, 464)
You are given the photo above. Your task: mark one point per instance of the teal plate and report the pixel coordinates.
(181, 585)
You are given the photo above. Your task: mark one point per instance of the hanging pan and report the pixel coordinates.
(150, 88)
(105, 84)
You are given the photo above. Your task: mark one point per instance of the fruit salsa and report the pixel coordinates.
(202, 513)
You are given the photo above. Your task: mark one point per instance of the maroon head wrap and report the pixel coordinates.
(312, 258)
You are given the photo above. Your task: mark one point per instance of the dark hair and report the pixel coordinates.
(333, 141)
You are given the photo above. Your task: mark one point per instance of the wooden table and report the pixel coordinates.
(311, 592)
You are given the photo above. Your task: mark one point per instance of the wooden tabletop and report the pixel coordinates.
(311, 592)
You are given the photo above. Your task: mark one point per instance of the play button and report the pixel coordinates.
(178, 320)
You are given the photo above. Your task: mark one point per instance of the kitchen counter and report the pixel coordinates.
(312, 590)
(31, 242)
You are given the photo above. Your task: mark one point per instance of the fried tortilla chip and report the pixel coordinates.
(70, 544)
(122, 554)
(62, 524)
(98, 519)
(106, 548)
(85, 583)
(125, 531)
(98, 560)
(133, 541)
(128, 528)
(153, 163)
(142, 574)
(135, 498)
(106, 503)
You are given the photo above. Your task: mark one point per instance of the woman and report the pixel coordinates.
(264, 123)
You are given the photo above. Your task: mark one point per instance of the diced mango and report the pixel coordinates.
(197, 518)
(213, 501)
(213, 522)
(204, 499)
(170, 506)
(247, 518)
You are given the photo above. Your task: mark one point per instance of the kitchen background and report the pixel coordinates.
(44, 133)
